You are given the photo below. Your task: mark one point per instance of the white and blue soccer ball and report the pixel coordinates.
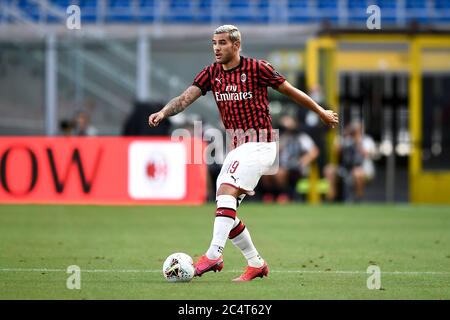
(178, 267)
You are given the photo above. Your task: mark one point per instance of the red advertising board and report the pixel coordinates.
(100, 170)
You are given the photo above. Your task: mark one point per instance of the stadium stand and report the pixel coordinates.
(343, 12)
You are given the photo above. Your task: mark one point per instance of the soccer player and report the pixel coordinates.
(239, 85)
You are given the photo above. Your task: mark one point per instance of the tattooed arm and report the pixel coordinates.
(175, 106)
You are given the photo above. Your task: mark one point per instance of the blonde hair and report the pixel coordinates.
(232, 31)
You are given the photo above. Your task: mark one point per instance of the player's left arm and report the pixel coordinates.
(329, 117)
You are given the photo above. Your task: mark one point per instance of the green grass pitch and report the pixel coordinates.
(314, 252)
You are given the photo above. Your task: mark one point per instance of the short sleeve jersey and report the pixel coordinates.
(241, 92)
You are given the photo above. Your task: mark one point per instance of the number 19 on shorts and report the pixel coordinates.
(233, 166)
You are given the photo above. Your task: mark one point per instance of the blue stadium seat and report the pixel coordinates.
(119, 11)
(442, 4)
(388, 20)
(327, 4)
(31, 9)
(120, 3)
(293, 18)
(357, 20)
(387, 4)
(263, 4)
(242, 11)
(421, 20)
(442, 19)
(203, 11)
(297, 11)
(88, 10)
(181, 4)
(205, 4)
(147, 5)
(238, 4)
(179, 11)
(328, 11)
(263, 11)
(357, 12)
(297, 4)
(63, 3)
(88, 3)
(146, 11)
(416, 4)
(357, 4)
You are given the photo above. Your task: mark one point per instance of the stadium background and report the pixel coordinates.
(134, 55)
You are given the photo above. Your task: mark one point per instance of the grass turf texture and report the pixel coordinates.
(313, 252)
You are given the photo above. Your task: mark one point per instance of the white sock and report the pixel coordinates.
(226, 205)
(244, 243)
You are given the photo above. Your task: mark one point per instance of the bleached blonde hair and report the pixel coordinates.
(232, 31)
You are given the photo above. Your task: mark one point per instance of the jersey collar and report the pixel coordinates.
(241, 58)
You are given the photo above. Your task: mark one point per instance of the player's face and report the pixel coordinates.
(224, 49)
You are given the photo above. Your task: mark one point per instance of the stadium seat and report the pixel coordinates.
(327, 4)
(88, 10)
(180, 4)
(63, 3)
(179, 11)
(442, 11)
(241, 11)
(416, 4)
(298, 11)
(146, 11)
(442, 4)
(387, 4)
(202, 11)
(31, 9)
(88, 3)
(297, 4)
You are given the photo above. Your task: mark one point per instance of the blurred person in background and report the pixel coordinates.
(66, 127)
(355, 168)
(82, 124)
(136, 124)
(296, 152)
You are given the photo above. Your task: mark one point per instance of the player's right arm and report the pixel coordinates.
(175, 106)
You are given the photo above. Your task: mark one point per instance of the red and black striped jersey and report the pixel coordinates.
(241, 92)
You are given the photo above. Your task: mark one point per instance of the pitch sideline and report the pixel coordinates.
(226, 271)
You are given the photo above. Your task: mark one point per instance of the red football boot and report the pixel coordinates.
(252, 272)
(204, 265)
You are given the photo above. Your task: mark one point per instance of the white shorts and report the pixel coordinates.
(244, 166)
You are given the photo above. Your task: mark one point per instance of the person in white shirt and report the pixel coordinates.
(356, 151)
(296, 152)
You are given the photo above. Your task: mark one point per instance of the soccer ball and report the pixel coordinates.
(178, 267)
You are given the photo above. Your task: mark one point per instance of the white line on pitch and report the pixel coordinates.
(228, 271)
